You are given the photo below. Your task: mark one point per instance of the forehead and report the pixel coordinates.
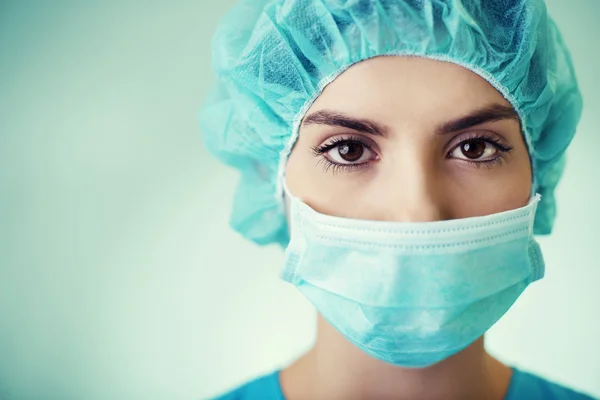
(400, 89)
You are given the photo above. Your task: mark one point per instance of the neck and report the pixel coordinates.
(336, 369)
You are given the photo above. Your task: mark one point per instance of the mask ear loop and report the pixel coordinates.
(287, 204)
(533, 192)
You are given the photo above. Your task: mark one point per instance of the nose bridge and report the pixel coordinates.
(416, 193)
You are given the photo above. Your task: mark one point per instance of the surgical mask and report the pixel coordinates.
(412, 294)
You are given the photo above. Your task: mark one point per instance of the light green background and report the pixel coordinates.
(119, 276)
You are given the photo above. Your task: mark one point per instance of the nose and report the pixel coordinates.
(415, 193)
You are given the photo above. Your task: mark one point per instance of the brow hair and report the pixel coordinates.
(489, 113)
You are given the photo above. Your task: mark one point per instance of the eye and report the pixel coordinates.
(478, 150)
(350, 152)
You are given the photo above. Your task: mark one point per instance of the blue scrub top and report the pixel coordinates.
(523, 386)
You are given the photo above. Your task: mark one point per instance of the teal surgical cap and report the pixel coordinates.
(272, 58)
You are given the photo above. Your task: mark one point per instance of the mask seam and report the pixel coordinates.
(423, 247)
(537, 266)
(389, 359)
(436, 308)
(298, 249)
(420, 232)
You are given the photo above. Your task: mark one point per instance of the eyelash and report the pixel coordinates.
(503, 150)
(319, 151)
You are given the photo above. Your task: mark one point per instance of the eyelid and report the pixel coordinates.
(335, 140)
(487, 136)
(321, 152)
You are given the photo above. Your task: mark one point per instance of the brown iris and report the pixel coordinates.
(351, 151)
(473, 149)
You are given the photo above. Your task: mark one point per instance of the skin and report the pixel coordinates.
(414, 158)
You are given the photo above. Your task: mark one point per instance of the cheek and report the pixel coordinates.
(293, 176)
(298, 171)
(490, 192)
(462, 191)
(341, 194)
(488, 202)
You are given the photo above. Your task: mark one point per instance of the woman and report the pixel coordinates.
(404, 153)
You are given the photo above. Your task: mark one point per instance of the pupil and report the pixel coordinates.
(473, 149)
(351, 151)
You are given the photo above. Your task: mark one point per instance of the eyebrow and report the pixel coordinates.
(336, 118)
(489, 113)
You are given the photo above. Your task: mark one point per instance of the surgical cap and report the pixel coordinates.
(272, 59)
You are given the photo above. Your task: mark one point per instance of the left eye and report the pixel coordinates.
(475, 150)
(350, 153)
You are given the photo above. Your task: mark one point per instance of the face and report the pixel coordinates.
(413, 140)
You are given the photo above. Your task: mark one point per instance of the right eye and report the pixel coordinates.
(346, 152)
(350, 152)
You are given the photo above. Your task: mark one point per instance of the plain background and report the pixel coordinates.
(119, 275)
